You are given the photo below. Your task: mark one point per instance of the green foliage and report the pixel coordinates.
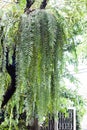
(40, 53)
(39, 39)
(45, 41)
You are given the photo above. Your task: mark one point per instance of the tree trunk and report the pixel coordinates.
(34, 126)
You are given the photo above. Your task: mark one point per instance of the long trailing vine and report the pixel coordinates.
(41, 42)
(41, 51)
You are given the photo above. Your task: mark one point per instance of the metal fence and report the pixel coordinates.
(63, 123)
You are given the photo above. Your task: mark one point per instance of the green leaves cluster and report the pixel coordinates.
(40, 54)
(46, 45)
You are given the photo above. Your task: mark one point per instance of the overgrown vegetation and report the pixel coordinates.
(45, 47)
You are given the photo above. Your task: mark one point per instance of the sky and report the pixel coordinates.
(82, 76)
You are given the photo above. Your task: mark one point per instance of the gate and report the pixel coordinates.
(63, 122)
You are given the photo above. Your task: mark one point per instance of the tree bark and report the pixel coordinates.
(34, 126)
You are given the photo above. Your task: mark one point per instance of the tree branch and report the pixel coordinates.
(43, 4)
(11, 69)
(29, 3)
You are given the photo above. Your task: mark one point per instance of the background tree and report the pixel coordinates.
(45, 47)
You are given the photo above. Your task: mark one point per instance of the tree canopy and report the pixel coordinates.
(46, 44)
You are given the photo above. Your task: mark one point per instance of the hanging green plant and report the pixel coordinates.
(39, 39)
(40, 55)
